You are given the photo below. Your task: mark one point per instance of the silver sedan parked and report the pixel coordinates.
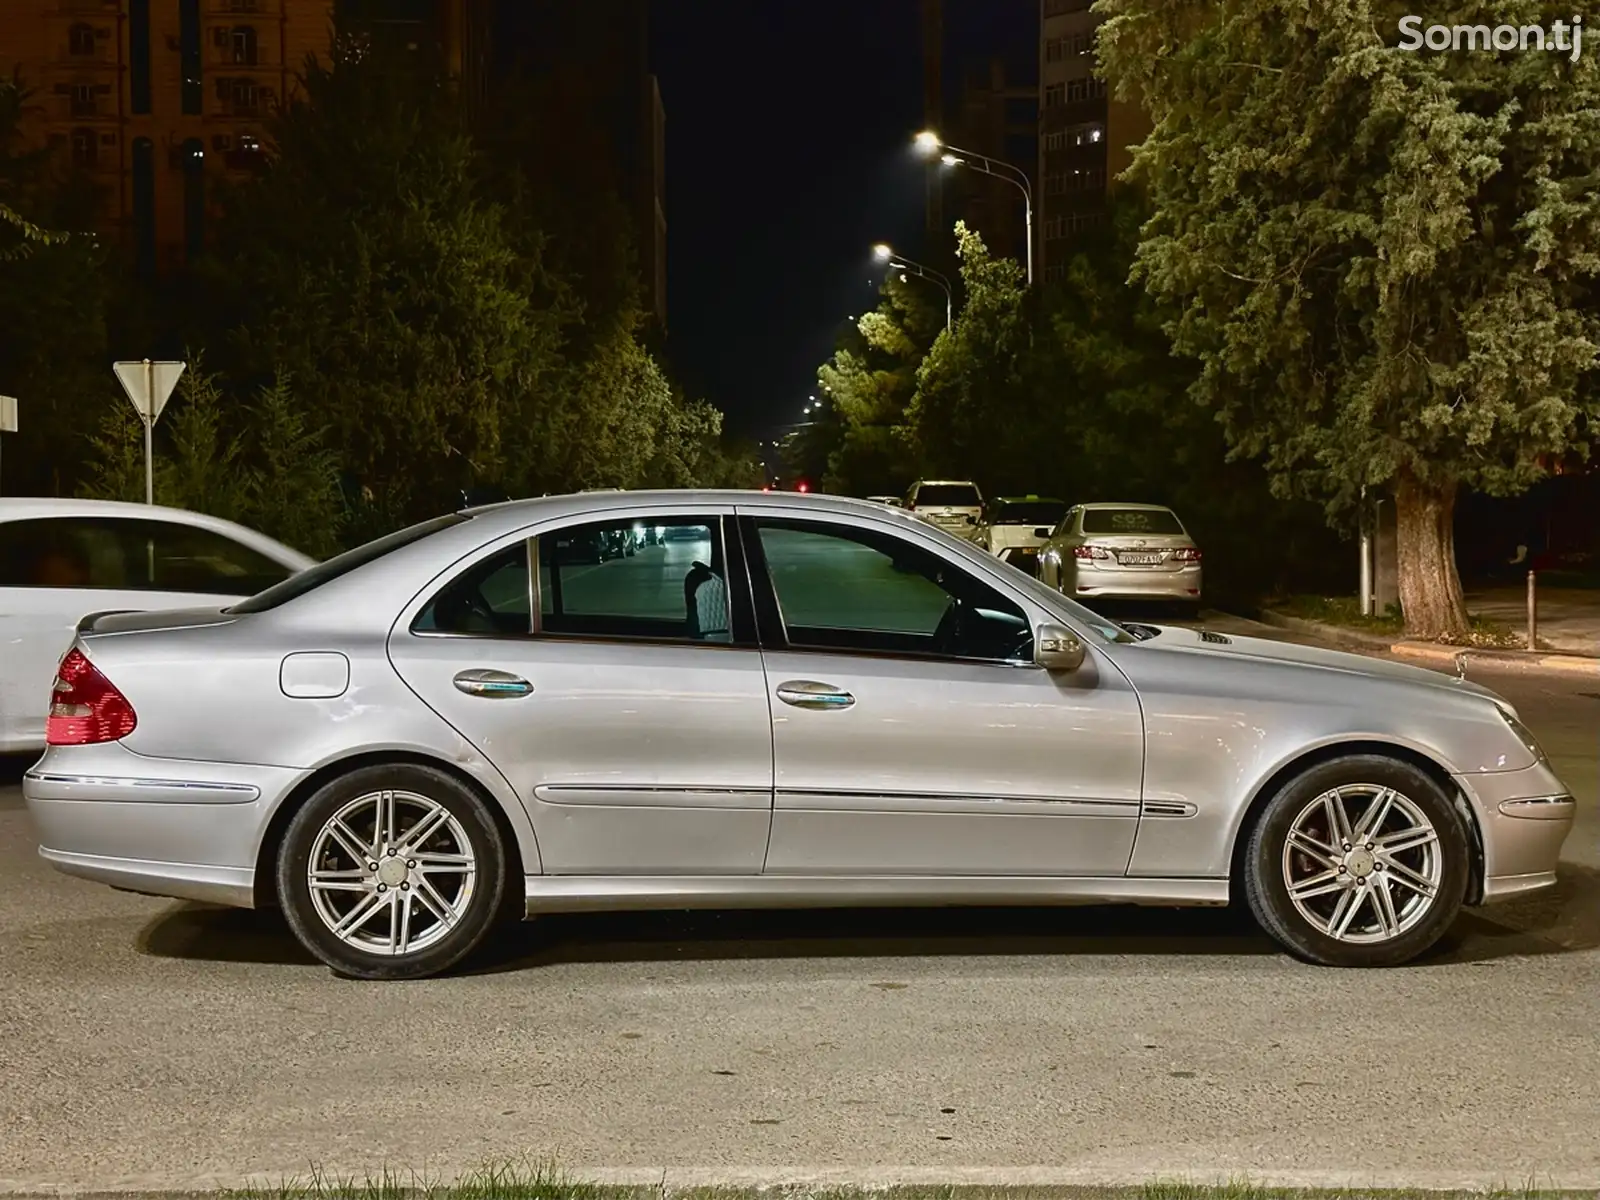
(777, 700)
(1123, 552)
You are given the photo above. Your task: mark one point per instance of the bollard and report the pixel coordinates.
(1533, 614)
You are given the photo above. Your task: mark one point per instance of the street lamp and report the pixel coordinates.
(930, 143)
(884, 253)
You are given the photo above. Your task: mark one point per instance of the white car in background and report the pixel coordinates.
(1015, 527)
(953, 505)
(61, 560)
(1123, 552)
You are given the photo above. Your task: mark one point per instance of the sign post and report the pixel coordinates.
(8, 414)
(148, 385)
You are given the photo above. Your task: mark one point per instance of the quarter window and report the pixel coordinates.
(489, 598)
(844, 588)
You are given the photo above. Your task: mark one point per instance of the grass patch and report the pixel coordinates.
(545, 1182)
(1345, 612)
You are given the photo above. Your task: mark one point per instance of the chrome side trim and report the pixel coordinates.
(1169, 808)
(232, 886)
(1541, 808)
(106, 788)
(828, 800)
(594, 893)
(647, 796)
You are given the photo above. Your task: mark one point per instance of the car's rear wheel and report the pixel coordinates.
(392, 872)
(1361, 861)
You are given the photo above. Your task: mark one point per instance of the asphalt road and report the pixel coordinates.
(148, 1044)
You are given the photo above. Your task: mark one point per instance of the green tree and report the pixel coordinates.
(1383, 260)
(976, 409)
(259, 464)
(295, 495)
(203, 465)
(367, 264)
(861, 436)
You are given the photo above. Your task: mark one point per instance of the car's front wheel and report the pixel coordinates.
(1361, 861)
(392, 872)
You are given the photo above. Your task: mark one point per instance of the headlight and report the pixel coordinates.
(1524, 734)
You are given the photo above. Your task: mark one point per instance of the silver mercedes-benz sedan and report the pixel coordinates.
(777, 700)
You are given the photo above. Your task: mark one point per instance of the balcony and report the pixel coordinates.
(82, 102)
(241, 98)
(241, 47)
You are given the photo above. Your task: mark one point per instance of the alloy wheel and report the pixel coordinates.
(391, 872)
(1363, 863)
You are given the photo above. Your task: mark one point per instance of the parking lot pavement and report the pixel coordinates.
(152, 1044)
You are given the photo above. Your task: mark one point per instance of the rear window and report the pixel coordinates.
(948, 495)
(326, 572)
(1030, 512)
(1130, 520)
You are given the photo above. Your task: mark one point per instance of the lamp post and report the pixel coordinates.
(884, 253)
(930, 143)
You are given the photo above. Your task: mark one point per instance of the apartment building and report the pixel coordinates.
(1084, 135)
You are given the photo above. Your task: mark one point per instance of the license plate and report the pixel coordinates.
(1139, 560)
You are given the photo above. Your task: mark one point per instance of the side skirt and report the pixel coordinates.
(600, 893)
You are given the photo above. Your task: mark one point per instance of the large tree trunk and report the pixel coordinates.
(1430, 588)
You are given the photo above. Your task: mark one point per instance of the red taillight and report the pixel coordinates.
(1090, 552)
(1187, 554)
(85, 706)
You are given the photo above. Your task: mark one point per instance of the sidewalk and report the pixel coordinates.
(1569, 618)
(1564, 658)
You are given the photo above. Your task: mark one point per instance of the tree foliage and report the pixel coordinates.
(53, 298)
(256, 461)
(861, 439)
(1382, 260)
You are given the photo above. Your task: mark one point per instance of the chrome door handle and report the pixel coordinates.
(807, 693)
(495, 685)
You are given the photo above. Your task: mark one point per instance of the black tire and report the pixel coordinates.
(1267, 891)
(482, 911)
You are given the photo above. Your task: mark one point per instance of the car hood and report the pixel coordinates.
(1315, 658)
(131, 621)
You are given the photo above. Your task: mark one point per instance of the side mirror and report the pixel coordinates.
(1057, 648)
(1043, 531)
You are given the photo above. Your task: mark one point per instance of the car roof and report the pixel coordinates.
(517, 512)
(1127, 504)
(1029, 499)
(944, 483)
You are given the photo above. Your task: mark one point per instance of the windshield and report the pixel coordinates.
(948, 495)
(325, 572)
(1130, 520)
(1029, 512)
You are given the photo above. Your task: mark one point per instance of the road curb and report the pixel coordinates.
(1564, 664)
(1039, 1183)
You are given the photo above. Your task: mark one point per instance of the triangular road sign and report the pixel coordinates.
(148, 385)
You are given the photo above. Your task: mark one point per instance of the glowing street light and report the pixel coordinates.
(884, 253)
(929, 143)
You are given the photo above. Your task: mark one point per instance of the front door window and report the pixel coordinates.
(846, 588)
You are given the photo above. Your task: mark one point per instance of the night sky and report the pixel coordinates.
(788, 147)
